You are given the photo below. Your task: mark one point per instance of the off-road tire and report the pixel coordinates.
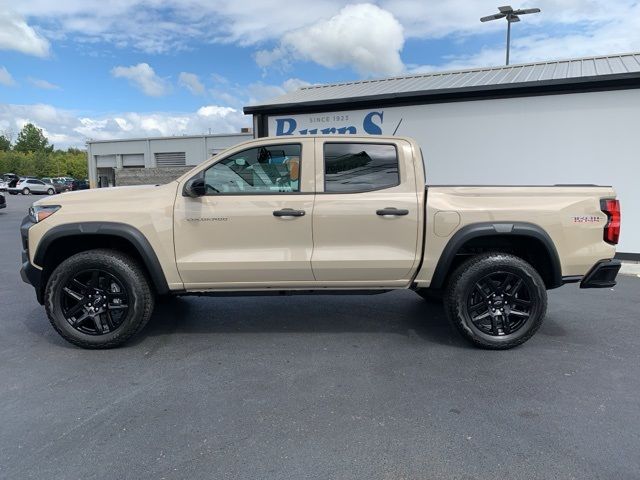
(128, 272)
(463, 281)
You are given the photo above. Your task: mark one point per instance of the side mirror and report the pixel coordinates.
(194, 188)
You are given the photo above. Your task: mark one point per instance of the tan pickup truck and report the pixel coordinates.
(317, 215)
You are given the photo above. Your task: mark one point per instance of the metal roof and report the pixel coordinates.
(172, 137)
(574, 71)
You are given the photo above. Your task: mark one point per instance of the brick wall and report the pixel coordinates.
(148, 176)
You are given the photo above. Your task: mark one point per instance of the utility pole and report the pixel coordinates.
(511, 16)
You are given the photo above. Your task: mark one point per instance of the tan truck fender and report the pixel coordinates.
(105, 230)
(548, 261)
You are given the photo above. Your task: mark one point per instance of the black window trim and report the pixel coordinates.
(241, 194)
(324, 168)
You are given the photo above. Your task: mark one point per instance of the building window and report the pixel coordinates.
(359, 167)
(170, 159)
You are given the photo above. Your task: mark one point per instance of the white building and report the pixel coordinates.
(574, 121)
(106, 157)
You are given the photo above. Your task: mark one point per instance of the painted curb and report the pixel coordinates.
(630, 268)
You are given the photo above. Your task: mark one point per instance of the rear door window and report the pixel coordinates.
(359, 167)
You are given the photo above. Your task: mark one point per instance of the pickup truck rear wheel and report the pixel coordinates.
(496, 300)
(98, 299)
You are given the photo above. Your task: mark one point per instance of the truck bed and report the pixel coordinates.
(570, 215)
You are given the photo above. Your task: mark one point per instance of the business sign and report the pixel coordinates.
(359, 122)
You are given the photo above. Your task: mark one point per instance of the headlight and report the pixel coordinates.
(40, 212)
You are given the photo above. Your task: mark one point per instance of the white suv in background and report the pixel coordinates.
(27, 186)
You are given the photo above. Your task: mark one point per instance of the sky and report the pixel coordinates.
(88, 69)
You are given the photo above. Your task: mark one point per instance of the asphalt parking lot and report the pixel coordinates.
(335, 387)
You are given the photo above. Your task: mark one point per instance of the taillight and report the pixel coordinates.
(612, 229)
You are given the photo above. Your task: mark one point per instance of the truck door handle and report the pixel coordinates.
(392, 211)
(288, 212)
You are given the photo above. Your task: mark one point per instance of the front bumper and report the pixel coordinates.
(602, 275)
(28, 272)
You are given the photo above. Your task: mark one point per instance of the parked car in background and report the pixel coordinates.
(58, 184)
(64, 179)
(3, 186)
(3, 201)
(13, 183)
(27, 186)
(11, 186)
(79, 185)
(7, 177)
(63, 182)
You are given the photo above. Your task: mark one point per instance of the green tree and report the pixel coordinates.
(5, 144)
(31, 139)
(76, 163)
(40, 162)
(44, 163)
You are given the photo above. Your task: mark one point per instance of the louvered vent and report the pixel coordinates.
(170, 159)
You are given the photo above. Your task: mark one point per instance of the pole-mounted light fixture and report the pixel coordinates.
(512, 16)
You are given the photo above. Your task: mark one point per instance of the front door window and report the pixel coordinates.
(268, 169)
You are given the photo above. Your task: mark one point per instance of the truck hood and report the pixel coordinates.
(110, 194)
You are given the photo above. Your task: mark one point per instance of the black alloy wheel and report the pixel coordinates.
(94, 302)
(496, 300)
(98, 298)
(500, 303)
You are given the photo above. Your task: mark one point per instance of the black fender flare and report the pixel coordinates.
(113, 229)
(485, 229)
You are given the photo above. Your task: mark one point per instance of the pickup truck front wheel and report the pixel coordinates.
(496, 300)
(98, 299)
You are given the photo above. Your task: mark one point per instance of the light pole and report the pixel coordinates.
(512, 16)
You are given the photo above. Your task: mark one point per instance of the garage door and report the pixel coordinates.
(133, 160)
(103, 161)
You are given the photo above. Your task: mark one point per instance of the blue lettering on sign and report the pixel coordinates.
(288, 126)
(280, 126)
(370, 127)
